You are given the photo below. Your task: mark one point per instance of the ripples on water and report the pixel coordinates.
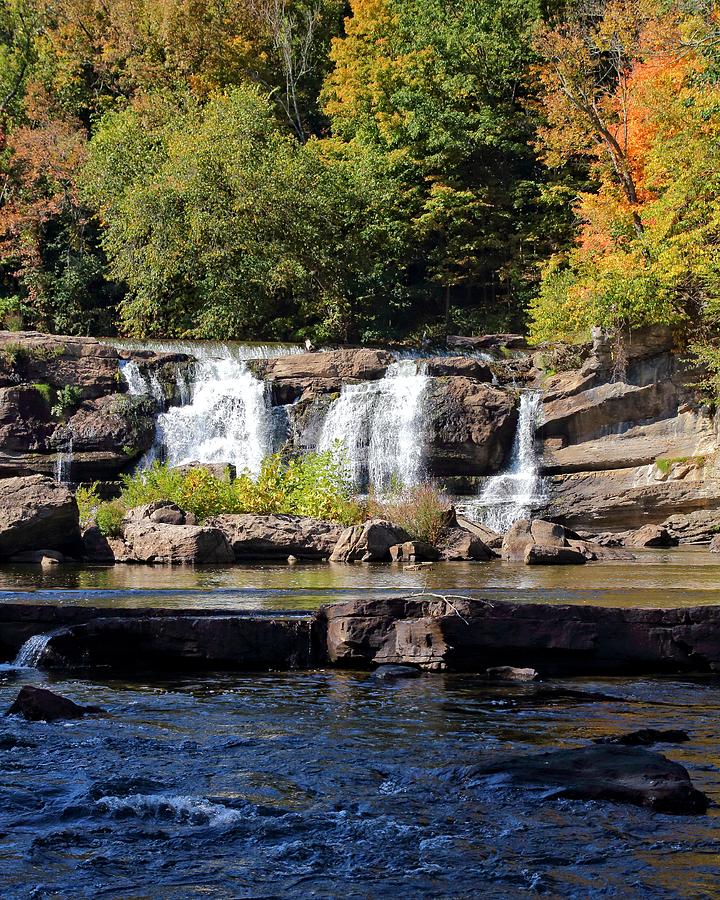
(327, 784)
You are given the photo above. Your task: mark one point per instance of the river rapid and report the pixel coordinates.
(331, 783)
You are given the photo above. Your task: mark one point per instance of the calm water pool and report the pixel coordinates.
(688, 576)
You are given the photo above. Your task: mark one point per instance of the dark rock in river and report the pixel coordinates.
(510, 673)
(414, 551)
(40, 705)
(619, 774)
(539, 555)
(37, 513)
(646, 737)
(471, 635)
(278, 536)
(395, 673)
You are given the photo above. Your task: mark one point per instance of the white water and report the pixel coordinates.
(225, 414)
(379, 425)
(29, 655)
(63, 463)
(513, 494)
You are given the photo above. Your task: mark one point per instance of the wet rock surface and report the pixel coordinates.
(647, 737)
(608, 772)
(40, 705)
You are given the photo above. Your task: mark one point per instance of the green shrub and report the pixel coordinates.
(422, 511)
(88, 501)
(109, 518)
(45, 391)
(664, 465)
(68, 397)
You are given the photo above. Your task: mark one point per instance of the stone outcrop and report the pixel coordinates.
(464, 366)
(151, 642)
(472, 635)
(458, 544)
(40, 705)
(368, 542)
(487, 342)
(59, 392)
(151, 542)
(628, 439)
(36, 513)
(526, 533)
(324, 372)
(278, 536)
(31, 357)
(414, 551)
(606, 772)
(539, 555)
(470, 427)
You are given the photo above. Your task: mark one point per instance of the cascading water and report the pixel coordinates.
(63, 462)
(379, 425)
(30, 654)
(225, 414)
(513, 494)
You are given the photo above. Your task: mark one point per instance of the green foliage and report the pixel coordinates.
(46, 392)
(66, 400)
(88, 501)
(664, 465)
(310, 485)
(109, 518)
(422, 511)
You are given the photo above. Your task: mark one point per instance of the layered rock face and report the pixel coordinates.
(278, 536)
(630, 441)
(62, 392)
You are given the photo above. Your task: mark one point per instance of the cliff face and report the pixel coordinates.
(631, 441)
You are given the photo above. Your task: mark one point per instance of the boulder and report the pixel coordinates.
(40, 705)
(470, 427)
(539, 555)
(37, 513)
(597, 552)
(368, 542)
(526, 532)
(414, 551)
(607, 772)
(155, 542)
(26, 423)
(490, 538)
(465, 366)
(120, 424)
(458, 544)
(96, 547)
(650, 536)
(278, 536)
(646, 737)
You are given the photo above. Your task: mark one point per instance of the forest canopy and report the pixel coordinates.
(369, 171)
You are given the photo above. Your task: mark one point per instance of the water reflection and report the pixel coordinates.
(687, 576)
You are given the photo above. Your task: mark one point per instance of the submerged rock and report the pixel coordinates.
(395, 673)
(40, 705)
(646, 737)
(511, 673)
(538, 555)
(607, 772)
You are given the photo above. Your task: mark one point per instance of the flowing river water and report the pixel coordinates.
(330, 783)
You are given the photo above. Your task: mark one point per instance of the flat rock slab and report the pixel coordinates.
(608, 772)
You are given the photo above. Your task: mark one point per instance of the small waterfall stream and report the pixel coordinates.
(380, 425)
(513, 494)
(30, 654)
(63, 462)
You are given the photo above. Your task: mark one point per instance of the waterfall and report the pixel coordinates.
(63, 462)
(225, 414)
(514, 494)
(29, 655)
(142, 384)
(380, 427)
